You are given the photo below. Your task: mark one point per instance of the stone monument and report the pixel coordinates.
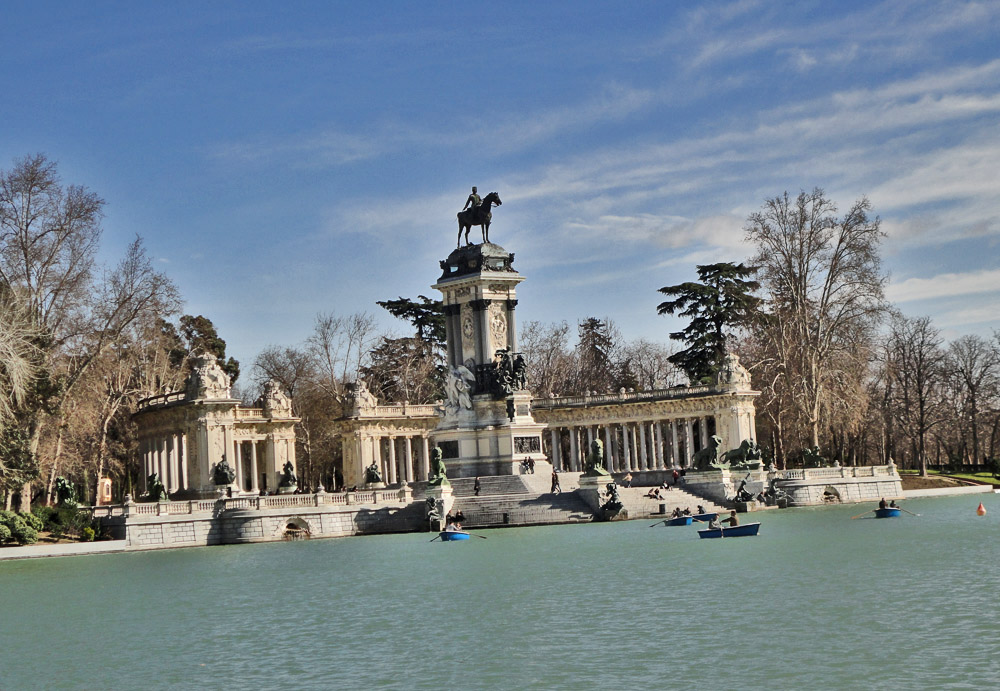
(486, 425)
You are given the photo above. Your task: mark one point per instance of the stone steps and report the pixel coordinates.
(639, 506)
(492, 485)
(535, 509)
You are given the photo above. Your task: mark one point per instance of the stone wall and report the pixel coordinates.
(263, 519)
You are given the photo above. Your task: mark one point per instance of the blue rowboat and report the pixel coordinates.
(737, 531)
(887, 512)
(705, 517)
(680, 520)
(452, 535)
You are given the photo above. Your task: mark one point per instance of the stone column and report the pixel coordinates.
(392, 461)
(255, 483)
(425, 461)
(161, 464)
(658, 437)
(574, 453)
(511, 326)
(675, 446)
(626, 450)
(644, 457)
(239, 465)
(688, 441)
(703, 429)
(590, 436)
(554, 442)
(185, 462)
(608, 450)
(408, 457)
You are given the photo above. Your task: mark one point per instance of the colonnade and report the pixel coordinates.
(167, 457)
(631, 446)
(400, 457)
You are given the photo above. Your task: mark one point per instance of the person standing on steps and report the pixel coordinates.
(476, 487)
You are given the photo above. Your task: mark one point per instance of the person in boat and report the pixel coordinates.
(450, 527)
(893, 504)
(733, 521)
(881, 503)
(687, 511)
(676, 513)
(701, 509)
(714, 523)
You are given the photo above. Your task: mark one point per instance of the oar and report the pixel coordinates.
(437, 538)
(862, 514)
(657, 523)
(481, 537)
(909, 512)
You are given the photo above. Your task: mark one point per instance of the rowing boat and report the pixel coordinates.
(680, 520)
(706, 517)
(453, 535)
(733, 531)
(888, 512)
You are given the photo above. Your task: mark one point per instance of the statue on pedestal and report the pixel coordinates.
(288, 478)
(478, 215)
(439, 474)
(372, 474)
(157, 492)
(710, 454)
(65, 494)
(223, 473)
(595, 460)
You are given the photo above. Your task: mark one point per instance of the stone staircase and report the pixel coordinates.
(521, 509)
(640, 506)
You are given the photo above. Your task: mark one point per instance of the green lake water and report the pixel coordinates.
(817, 600)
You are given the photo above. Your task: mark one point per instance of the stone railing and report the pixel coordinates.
(626, 397)
(276, 501)
(244, 413)
(162, 399)
(833, 473)
(399, 410)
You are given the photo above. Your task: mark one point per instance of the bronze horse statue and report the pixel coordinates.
(478, 217)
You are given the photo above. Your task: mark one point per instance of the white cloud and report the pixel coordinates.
(945, 285)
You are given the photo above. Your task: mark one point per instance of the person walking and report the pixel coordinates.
(476, 487)
(556, 489)
(627, 480)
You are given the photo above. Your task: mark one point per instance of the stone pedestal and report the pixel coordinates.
(714, 485)
(590, 490)
(442, 495)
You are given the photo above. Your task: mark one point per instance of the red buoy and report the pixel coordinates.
(981, 511)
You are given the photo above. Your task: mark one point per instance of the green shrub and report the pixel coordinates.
(33, 521)
(87, 534)
(22, 533)
(4, 533)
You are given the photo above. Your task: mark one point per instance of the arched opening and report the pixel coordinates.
(831, 495)
(296, 529)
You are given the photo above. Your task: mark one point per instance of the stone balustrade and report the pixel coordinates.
(622, 397)
(277, 501)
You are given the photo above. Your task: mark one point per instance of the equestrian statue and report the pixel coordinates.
(478, 215)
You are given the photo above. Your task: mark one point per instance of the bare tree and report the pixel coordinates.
(650, 364)
(825, 289)
(974, 365)
(917, 368)
(550, 360)
(48, 240)
(20, 354)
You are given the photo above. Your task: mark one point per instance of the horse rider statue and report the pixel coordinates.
(475, 200)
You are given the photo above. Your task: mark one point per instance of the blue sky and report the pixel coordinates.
(285, 159)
